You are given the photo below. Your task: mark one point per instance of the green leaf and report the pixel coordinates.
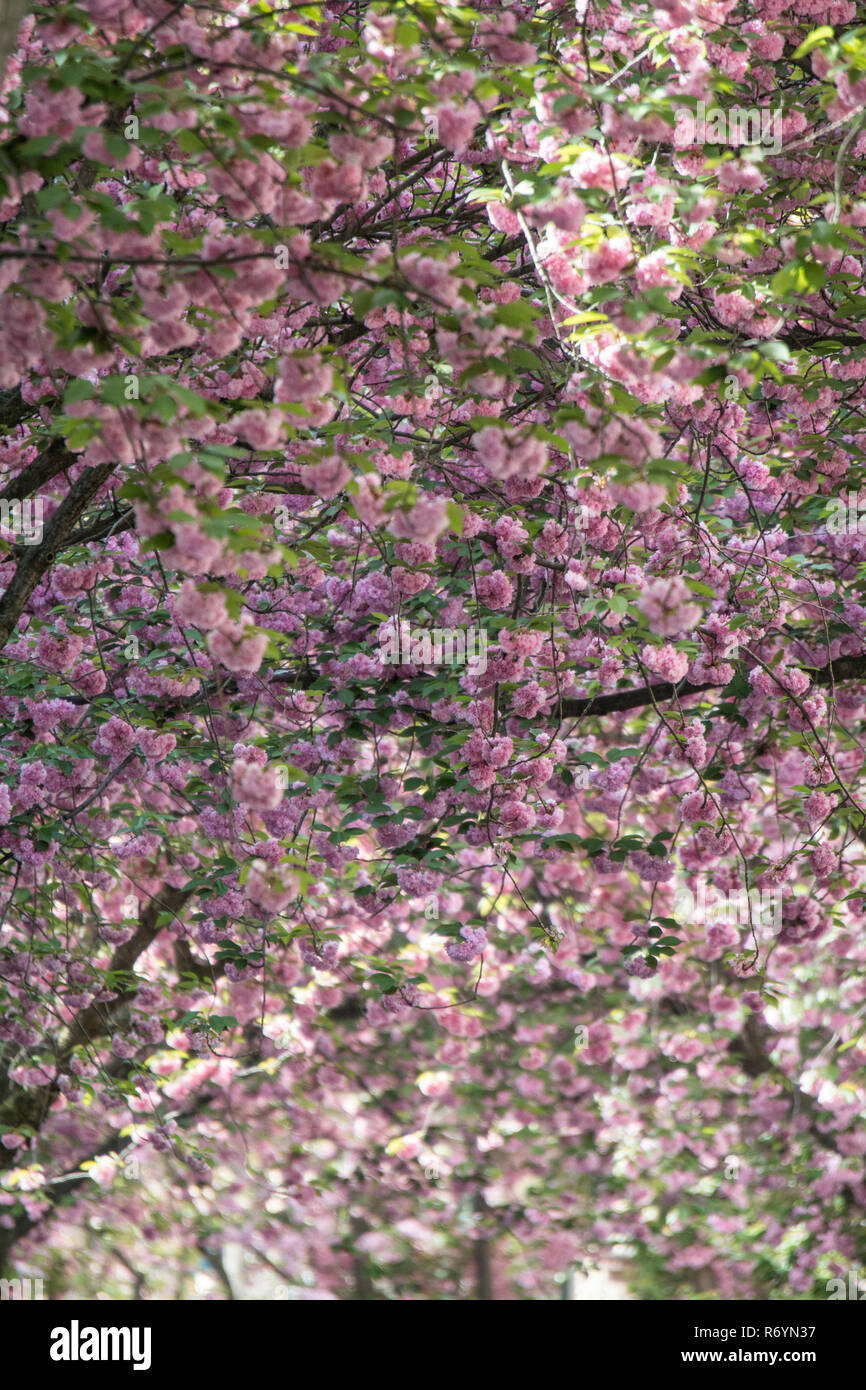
(77, 390)
(812, 40)
(519, 312)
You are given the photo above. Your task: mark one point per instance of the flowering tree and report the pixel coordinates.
(334, 338)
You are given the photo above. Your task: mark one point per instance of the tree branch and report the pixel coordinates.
(844, 668)
(12, 12)
(34, 565)
(26, 1105)
(96, 1019)
(46, 466)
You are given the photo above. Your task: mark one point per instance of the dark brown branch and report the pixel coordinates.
(35, 564)
(46, 466)
(112, 526)
(116, 1142)
(96, 1019)
(13, 409)
(12, 13)
(189, 964)
(26, 1105)
(844, 668)
(630, 699)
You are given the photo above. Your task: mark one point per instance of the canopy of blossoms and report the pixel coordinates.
(433, 652)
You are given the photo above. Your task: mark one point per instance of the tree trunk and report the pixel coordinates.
(483, 1270)
(12, 12)
(364, 1288)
